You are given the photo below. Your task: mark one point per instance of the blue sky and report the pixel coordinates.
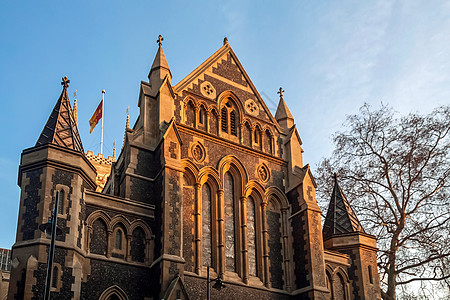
(329, 56)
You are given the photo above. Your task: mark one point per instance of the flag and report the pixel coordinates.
(98, 114)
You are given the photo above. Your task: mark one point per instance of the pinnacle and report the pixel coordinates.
(340, 216)
(61, 128)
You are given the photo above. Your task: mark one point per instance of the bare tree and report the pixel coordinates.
(396, 174)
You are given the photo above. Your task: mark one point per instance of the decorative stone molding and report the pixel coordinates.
(251, 107)
(263, 173)
(208, 90)
(198, 152)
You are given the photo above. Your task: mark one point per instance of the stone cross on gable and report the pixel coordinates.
(160, 39)
(281, 91)
(65, 82)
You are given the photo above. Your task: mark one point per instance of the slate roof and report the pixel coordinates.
(61, 128)
(340, 216)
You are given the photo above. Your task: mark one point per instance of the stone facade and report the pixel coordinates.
(207, 178)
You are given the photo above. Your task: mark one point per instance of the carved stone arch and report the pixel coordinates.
(119, 219)
(247, 120)
(231, 163)
(268, 128)
(186, 102)
(254, 186)
(229, 94)
(210, 175)
(139, 223)
(275, 193)
(114, 290)
(341, 284)
(190, 171)
(99, 214)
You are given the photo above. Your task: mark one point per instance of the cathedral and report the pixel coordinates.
(209, 189)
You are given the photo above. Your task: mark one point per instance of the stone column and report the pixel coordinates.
(108, 243)
(208, 116)
(265, 243)
(241, 133)
(221, 232)
(88, 239)
(244, 239)
(197, 227)
(128, 250)
(285, 244)
(196, 110)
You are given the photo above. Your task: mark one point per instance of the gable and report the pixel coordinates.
(223, 73)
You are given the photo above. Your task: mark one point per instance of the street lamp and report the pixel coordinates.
(218, 284)
(51, 230)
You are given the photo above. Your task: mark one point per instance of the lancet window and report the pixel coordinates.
(206, 225)
(229, 199)
(229, 116)
(251, 237)
(275, 246)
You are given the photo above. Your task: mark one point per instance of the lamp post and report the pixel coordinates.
(218, 285)
(51, 230)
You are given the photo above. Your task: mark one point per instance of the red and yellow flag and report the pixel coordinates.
(98, 114)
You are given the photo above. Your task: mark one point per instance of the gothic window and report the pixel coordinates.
(119, 239)
(229, 197)
(190, 114)
(55, 274)
(224, 114)
(206, 226)
(268, 143)
(233, 130)
(137, 250)
(251, 234)
(370, 274)
(202, 116)
(229, 117)
(99, 242)
(61, 202)
(275, 246)
(257, 137)
(330, 286)
(247, 135)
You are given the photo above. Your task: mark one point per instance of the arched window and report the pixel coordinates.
(137, 250)
(247, 135)
(55, 275)
(61, 202)
(98, 243)
(229, 196)
(119, 235)
(330, 286)
(202, 117)
(257, 137)
(190, 114)
(206, 225)
(224, 119)
(268, 142)
(251, 233)
(275, 246)
(229, 117)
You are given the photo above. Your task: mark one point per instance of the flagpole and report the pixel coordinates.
(103, 117)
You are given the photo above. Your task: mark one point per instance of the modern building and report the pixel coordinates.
(207, 178)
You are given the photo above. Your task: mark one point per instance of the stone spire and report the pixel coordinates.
(61, 128)
(127, 126)
(114, 149)
(283, 114)
(75, 107)
(340, 216)
(160, 68)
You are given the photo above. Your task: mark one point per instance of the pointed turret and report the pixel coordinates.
(160, 68)
(283, 114)
(340, 216)
(75, 108)
(61, 128)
